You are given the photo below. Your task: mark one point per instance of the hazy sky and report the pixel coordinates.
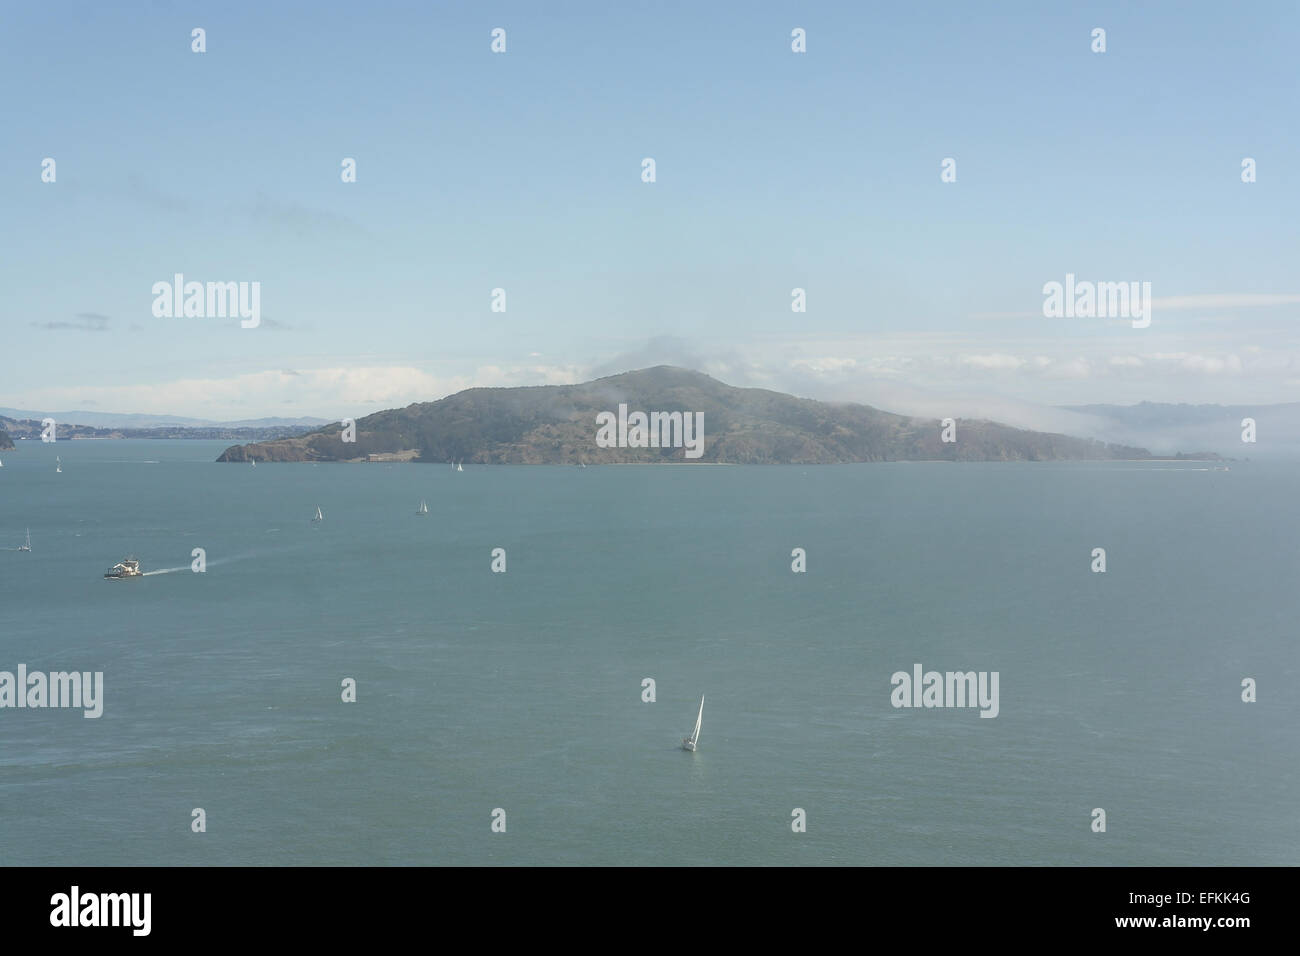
(522, 171)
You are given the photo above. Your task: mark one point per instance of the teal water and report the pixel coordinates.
(523, 690)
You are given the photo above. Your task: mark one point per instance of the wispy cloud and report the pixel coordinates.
(1231, 300)
(1226, 300)
(298, 218)
(318, 392)
(82, 322)
(144, 193)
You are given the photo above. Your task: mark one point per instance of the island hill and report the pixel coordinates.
(557, 424)
(5, 440)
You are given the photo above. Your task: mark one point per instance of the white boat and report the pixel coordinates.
(27, 546)
(126, 568)
(689, 743)
(253, 462)
(58, 464)
(458, 467)
(423, 509)
(319, 516)
(2, 464)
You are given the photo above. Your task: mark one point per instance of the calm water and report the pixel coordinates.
(523, 690)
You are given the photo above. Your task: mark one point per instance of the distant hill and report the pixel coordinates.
(5, 441)
(114, 420)
(1164, 426)
(31, 428)
(556, 424)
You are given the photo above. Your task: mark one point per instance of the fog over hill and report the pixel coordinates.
(1164, 427)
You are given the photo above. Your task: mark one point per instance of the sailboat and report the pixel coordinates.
(2, 464)
(58, 464)
(423, 509)
(253, 462)
(458, 467)
(28, 545)
(688, 743)
(319, 516)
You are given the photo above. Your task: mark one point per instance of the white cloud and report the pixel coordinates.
(1073, 368)
(321, 391)
(1210, 364)
(1230, 300)
(995, 360)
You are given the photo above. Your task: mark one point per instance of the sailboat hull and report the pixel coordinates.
(688, 745)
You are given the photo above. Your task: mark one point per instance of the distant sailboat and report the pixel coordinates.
(458, 467)
(253, 462)
(2, 464)
(58, 464)
(27, 546)
(423, 509)
(688, 743)
(319, 516)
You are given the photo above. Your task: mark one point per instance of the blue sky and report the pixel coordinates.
(521, 171)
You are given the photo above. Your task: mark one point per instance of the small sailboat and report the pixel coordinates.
(458, 467)
(319, 516)
(423, 509)
(253, 462)
(2, 464)
(58, 464)
(688, 743)
(27, 545)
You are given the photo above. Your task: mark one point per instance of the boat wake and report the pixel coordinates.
(225, 559)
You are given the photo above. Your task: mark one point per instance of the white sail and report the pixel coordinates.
(423, 509)
(28, 545)
(688, 743)
(458, 467)
(319, 516)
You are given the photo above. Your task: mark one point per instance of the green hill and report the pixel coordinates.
(556, 424)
